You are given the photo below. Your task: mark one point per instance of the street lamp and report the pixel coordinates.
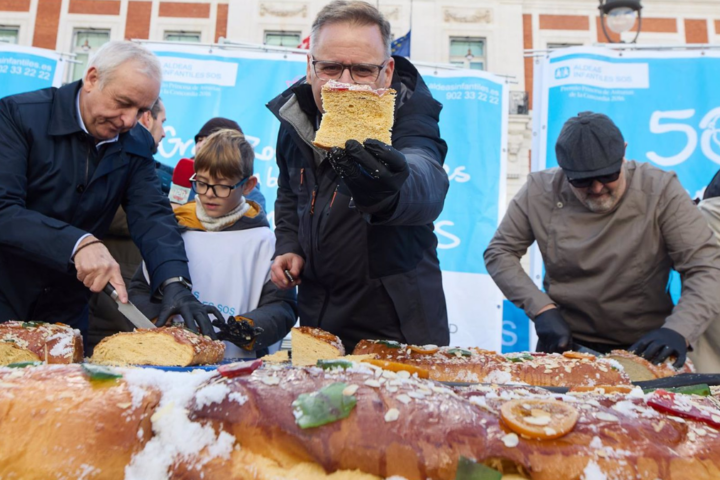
(620, 16)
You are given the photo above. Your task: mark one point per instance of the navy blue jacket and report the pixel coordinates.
(54, 188)
(372, 274)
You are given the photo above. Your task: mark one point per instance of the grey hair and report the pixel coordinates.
(155, 109)
(355, 12)
(113, 55)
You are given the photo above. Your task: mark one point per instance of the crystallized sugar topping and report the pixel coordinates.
(214, 393)
(175, 435)
(339, 86)
(592, 472)
(64, 347)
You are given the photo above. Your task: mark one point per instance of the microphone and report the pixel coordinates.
(180, 187)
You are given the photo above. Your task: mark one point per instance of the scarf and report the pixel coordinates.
(216, 224)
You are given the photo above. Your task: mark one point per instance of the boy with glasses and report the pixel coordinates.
(229, 246)
(609, 231)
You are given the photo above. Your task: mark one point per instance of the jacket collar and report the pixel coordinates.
(63, 114)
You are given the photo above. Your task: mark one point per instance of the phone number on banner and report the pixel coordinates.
(43, 73)
(492, 97)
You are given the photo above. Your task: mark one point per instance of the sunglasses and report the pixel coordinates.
(587, 182)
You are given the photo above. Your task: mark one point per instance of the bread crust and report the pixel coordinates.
(617, 434)
(489, 367)
(43, 342)
(193, 349)
(57, 423)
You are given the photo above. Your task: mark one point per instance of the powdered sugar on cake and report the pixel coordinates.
(339, 86)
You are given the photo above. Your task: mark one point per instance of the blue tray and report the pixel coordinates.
(206, 368)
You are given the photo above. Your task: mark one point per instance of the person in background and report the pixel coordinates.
(609, 232)
(361, 248)
(71, 156)
(229, 244)
(706, 354)
(105, 318)
(213, 125)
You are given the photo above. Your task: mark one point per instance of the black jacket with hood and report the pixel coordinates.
(371, 274)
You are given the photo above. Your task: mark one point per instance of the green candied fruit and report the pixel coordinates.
(459, 352)
(98, 373)
(327, 405)
(24, 364)
(330, 364)
(32, 324)
(470, 470)
(389, 343)
(520, 358)
(702, 389)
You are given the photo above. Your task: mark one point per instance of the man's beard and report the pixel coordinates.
(601, 204)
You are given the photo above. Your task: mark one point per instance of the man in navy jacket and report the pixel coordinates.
(70, 157)
(355, 229)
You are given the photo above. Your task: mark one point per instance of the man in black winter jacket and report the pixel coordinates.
(360, 247)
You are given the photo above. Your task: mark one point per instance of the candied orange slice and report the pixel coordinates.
(397, 367)
(482, 351)
(579, 356)
(607, 389)
(538, 418)
(425, 350)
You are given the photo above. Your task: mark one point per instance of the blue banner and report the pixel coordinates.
(24, 69)
(472, 125)
(199, 84)
(667, 105)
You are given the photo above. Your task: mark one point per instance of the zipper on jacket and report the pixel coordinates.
(302, 176)
(333, 199)
(312, 202)
(324, 307)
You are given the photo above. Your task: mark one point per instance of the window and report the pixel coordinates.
(85, 44)
(182, 36)
(9, 34)
(283, 39)
(468, 52)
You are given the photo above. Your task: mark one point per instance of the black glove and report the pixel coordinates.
(660, 344)
(237, 330)
(554, 334)
(372, 173)
(178, 300)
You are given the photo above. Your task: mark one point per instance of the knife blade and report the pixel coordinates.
(129, 310)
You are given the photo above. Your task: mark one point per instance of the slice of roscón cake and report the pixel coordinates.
(355, 112)
(312, 344)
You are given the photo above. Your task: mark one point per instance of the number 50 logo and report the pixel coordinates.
(710, 124)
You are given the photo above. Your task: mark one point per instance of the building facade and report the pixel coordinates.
(490, 35)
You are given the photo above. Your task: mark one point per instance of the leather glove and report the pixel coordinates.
(554, 334)
(373, 172)
(660, 344)
(238, 330)
(178, 300)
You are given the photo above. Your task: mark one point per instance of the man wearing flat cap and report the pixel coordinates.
(609, 231)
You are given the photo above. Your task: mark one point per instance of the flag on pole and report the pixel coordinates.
(305, 44)
(401, 46)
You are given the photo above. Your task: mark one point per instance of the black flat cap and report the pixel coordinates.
(590, 145)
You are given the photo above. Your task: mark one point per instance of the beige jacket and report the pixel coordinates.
(608, 272)
(706, 356)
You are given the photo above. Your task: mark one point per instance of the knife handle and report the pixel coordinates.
(110, 290)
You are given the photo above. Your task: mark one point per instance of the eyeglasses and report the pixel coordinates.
(587, 182)
(359, 72)
(220, 191)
